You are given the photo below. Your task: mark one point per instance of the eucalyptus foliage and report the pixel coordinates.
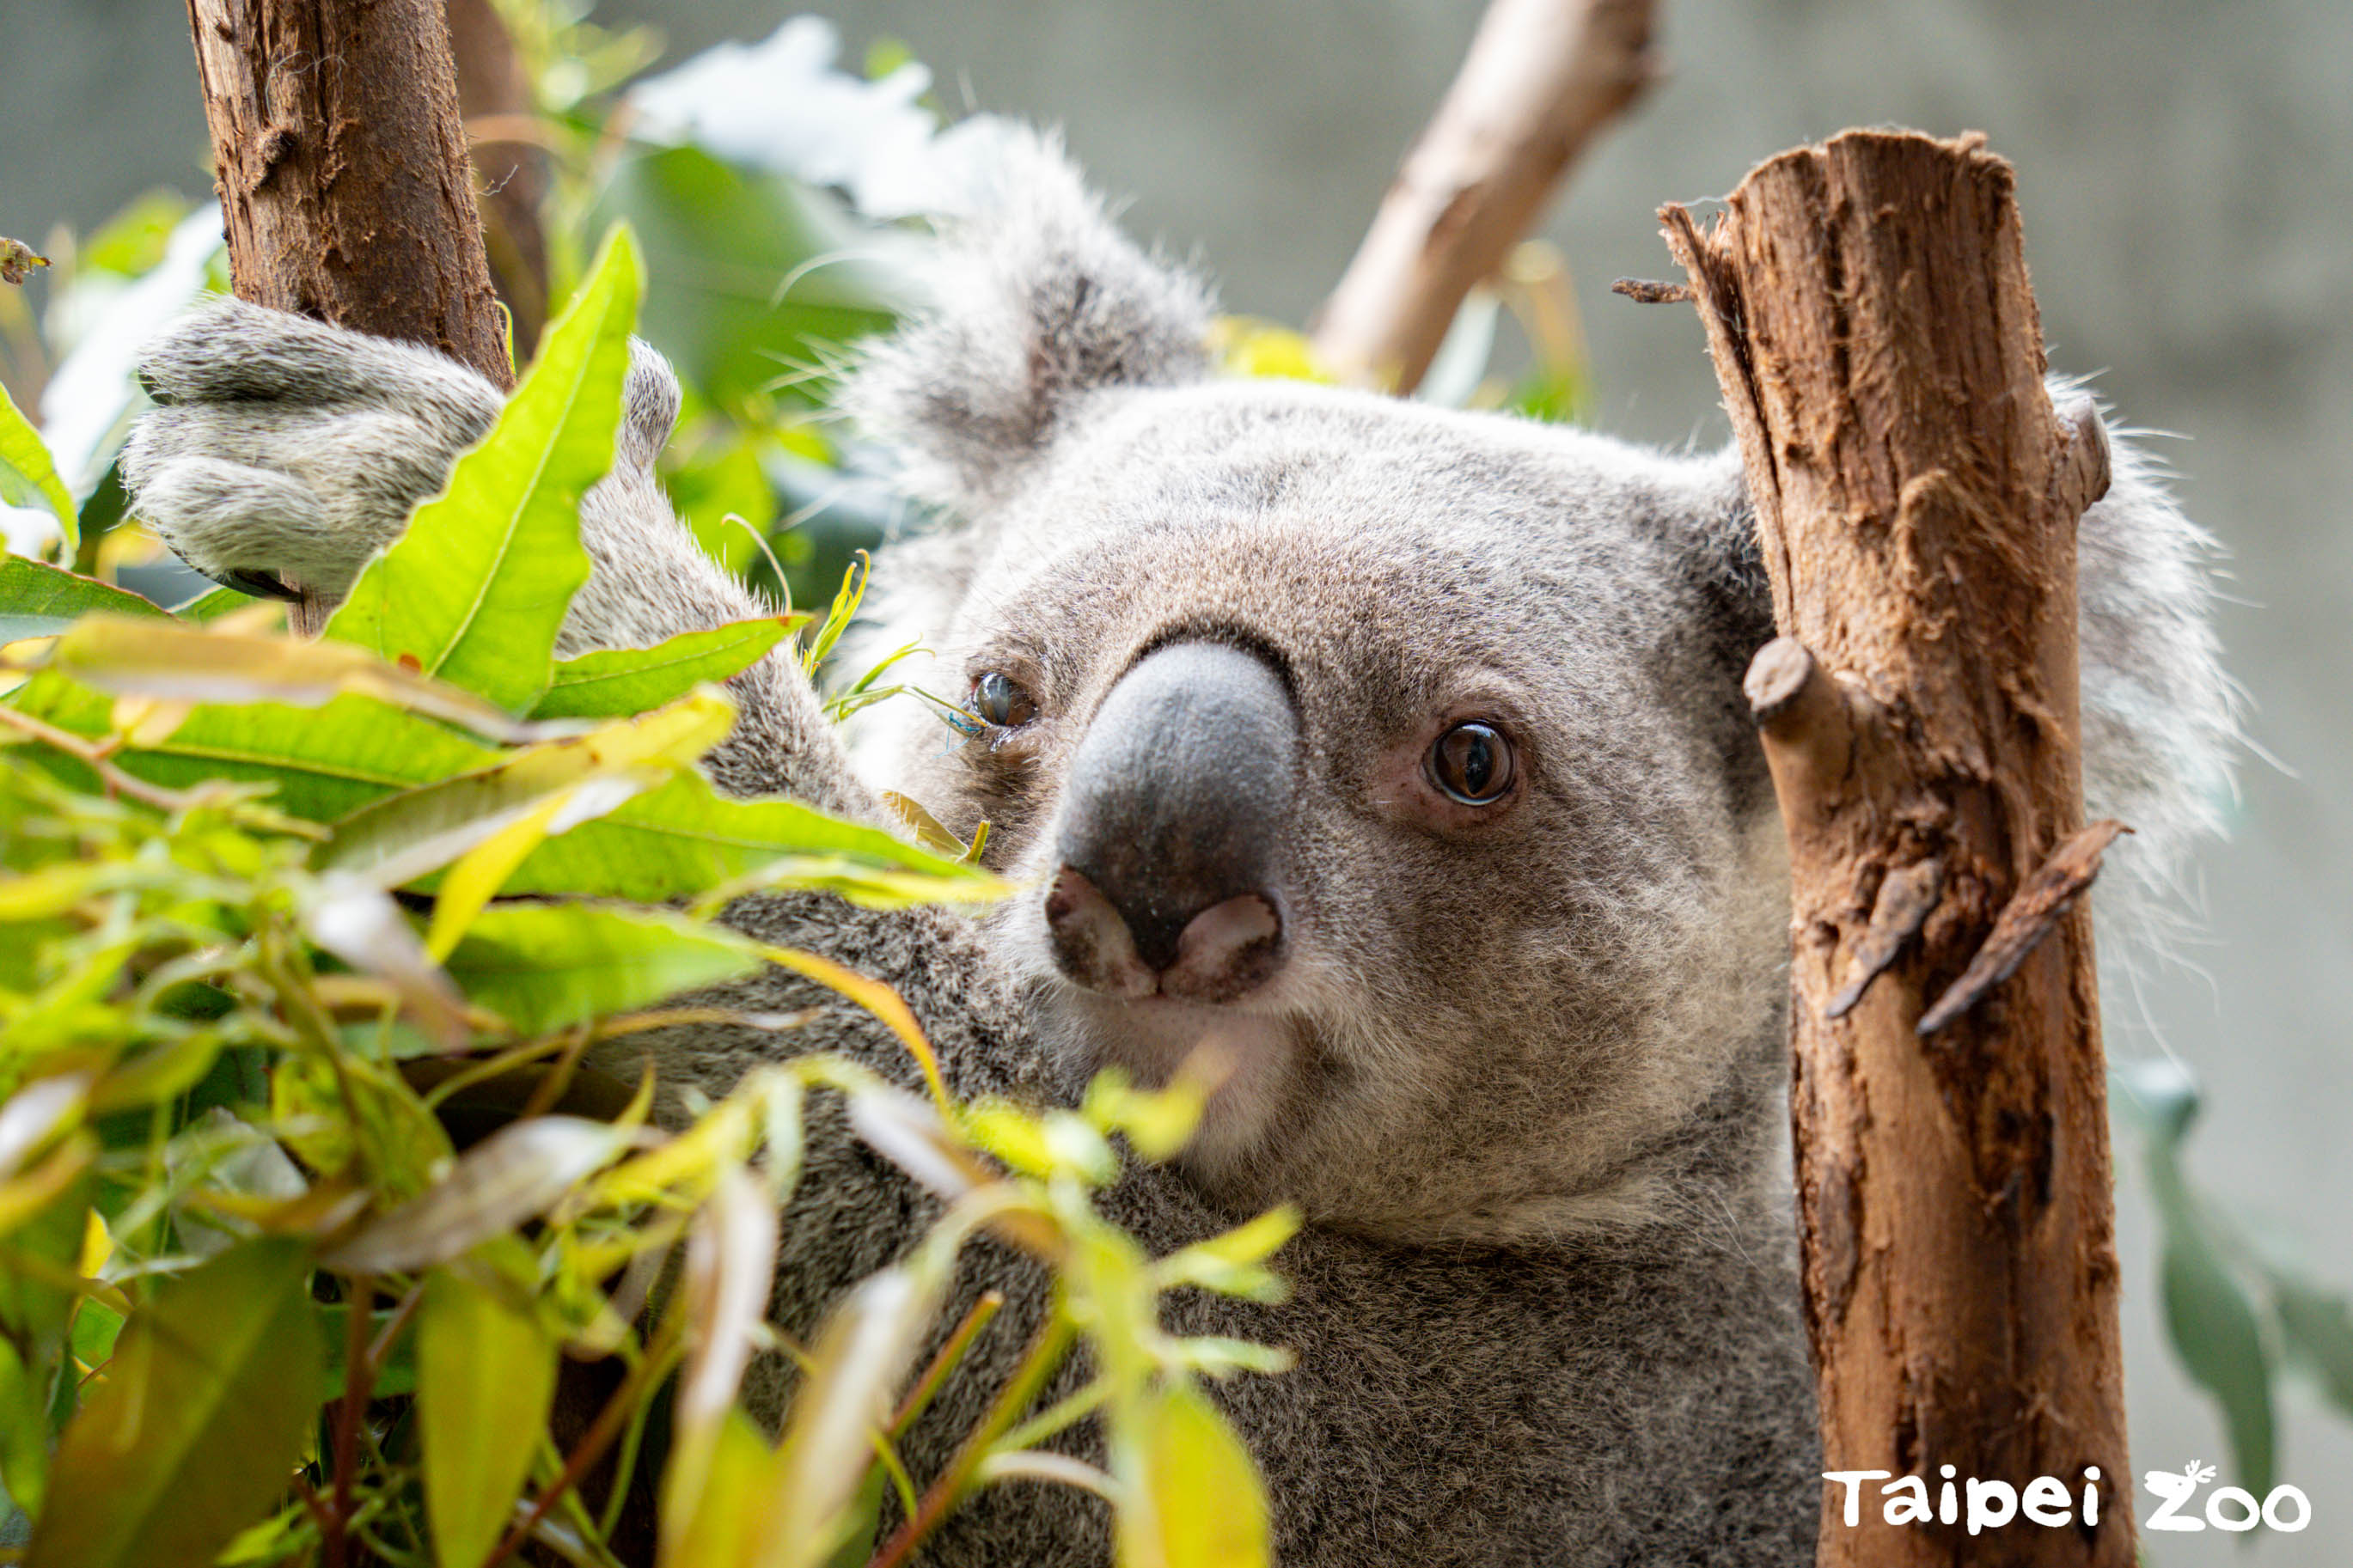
(304, 1191)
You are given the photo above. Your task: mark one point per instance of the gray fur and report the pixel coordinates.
(1523, 1070)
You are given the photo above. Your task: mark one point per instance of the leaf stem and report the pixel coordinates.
(1044, 1355)
(358, 1376)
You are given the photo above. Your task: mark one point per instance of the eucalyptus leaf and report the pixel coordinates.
(684, 839)
(616, 683)
(2215, 1334)
(196, 1430)
(38, 600)
(861, 1357)
(1197, 1501)
(326, 761)
(476, 589)
(486, 1375)
(545, 966)
(2317, 1325)
(512, 1177)
(22, 449)
(397, 841)
(161, 657)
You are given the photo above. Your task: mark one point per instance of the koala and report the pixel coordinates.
(1394, 754)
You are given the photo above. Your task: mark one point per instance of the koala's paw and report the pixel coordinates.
(283, 449)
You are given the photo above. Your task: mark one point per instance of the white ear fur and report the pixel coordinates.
(1036, 300)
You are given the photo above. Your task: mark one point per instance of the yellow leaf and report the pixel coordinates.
(929, 830)
(485, 1375)
(145, 656)
(97, 1246)
(1246, 345)
(1198, 1502)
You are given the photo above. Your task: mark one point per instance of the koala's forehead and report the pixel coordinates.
(1396, 539)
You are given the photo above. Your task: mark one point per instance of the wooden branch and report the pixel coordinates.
(1868, 311)
(493, 90)
(340, 165)
(1541, 79)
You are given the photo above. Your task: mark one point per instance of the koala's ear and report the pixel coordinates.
(1036, 301)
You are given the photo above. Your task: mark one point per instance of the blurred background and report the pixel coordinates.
(2185, 169)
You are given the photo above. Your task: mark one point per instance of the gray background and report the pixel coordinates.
(2186, 171)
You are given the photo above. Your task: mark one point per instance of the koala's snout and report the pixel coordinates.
(1176, 810)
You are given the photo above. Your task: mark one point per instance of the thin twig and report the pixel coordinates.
(1044, 1355)
(919, 1397)
(359, 1377)
(97, 755)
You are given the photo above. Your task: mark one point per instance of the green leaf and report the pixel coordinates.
(862, 1358)
(544, 967)
(684, 839)
(485, 1373)
(477, 588)
(327, 762)
(212, 604)
(717, 1510)
(38, 600)
(22, 449)
(1197, 1502)
(2214, 1327)
(617, 682)
(198, 1425)
(24, 1429)
(2317, 1325)
(403, 839)
(157, 657)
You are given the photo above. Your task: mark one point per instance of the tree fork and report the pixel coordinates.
(1868, 311)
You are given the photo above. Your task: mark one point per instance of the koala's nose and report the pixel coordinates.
(1175, 808)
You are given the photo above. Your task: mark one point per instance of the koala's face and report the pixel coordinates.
(1393, 755)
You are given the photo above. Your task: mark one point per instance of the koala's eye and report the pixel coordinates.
(1000, 699)
(1472, 764)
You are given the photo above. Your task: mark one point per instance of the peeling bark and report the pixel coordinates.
(1869, 314)
(341, 164)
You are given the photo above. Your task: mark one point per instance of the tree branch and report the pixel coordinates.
(340, 165)
(1868, 311)
(493, 90)
(1541, 79)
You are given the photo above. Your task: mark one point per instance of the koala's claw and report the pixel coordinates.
(284, 448)
(261, 585)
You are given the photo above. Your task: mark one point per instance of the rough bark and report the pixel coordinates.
(1869, 314)
(1541, 79)
(340, 165)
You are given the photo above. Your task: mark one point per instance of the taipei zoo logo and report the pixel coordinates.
(2047, 1500)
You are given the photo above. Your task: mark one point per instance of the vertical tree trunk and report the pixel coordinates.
(341, 169)
(1869, 314)
(341, 164)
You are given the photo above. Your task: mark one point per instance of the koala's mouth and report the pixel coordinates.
(1249, 1055)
